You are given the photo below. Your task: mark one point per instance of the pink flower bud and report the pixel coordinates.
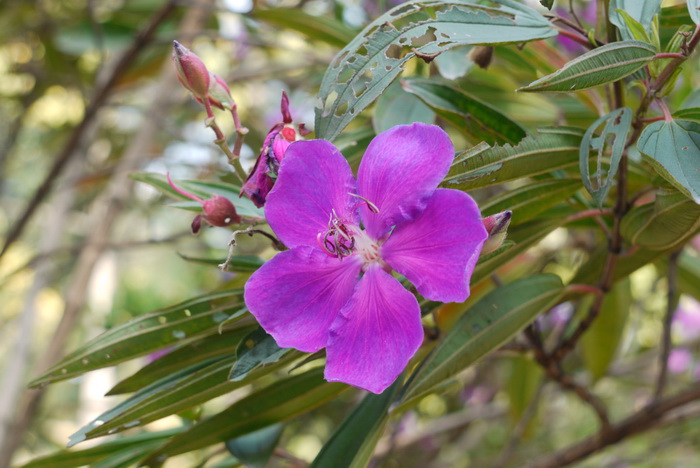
(217, 211)
(497, 228)
(219, 93)
(191, 71)
(278, 139)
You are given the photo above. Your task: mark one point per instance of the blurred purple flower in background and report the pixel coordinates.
(686, 320)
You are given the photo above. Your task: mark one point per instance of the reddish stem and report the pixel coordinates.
(182, 192)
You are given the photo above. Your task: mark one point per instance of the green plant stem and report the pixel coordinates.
(672, 278)
(220, 141)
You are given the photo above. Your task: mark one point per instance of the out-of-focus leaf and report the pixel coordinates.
(371, 61)
(204, 190)
(662, 224)
(694, 10)
(617, 125)
(600, 343)
(548, 4)
(631, 29)
(322, 28)
(171, 395)
(476, 119)
(523, 381)
(91, 456)
(256, 349)
(255, 449)
(454, 63)
(148, 333)
(483, 328)
(548, 150)
(691, 114)
(640, 12)
(397, 107)
(673, 149)
(353, 442)
(528, 201)
(200, 352)
(602, 65)
(237, 263)
(280, 401)
(689, 275)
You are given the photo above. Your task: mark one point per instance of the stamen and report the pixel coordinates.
(371, 206)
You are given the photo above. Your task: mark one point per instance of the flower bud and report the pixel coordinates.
(497, 228)
(191, 71)
(217, 211)
(219, 93)
(278, 139)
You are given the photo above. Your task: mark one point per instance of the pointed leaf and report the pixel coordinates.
(673, 148)
(617, 124)
(323, 28)
(476, 119)
(602, 65)
(639, 11)
(483, 328)
(548, 150)
(255, 350)
(237, 263)
(692, 114)
(255, 449)
(368, 64)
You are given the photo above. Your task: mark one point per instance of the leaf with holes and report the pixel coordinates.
(548, 150)
(673, 148)
(617, 125)
(599, 66)
(483, 328)
(423, 28)
(149, 333)
(476, 119)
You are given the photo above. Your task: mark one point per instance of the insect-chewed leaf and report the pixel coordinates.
(605, 64)
(424, 28)
(475, 118)
(673, 148)
(354, 440)
(617, 124)
(149, 333)
(662, 224)
(640, 12)
(486, 326)
(280, 401)
(548, 150)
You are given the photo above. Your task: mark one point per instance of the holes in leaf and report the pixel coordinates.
(400, 11)
(346, 73)
(341, 109)
(425, 38)
(394, 51)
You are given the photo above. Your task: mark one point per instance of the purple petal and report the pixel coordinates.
(438, 250)
(298, 294)
(375, 335)
(314, 179)
(401, 168)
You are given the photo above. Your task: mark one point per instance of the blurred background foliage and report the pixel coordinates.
(100, 249)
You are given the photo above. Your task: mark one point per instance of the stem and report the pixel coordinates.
(182, 192)
(584, 289)
(667, 55)
(668, 320)
(587, 214)
(664, 108)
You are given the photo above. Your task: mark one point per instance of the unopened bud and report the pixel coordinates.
(217, 211)
(191, 71)
(219, 93)
(497, 228)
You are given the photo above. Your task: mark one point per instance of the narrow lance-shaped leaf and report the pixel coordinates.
(322, 28)
(277, 402)
(487, 325)
(673, 148)
(256, 349)
(368, 64)
(548, 150)
(617, 124)
(149, 333)
(477, 119)
(255, 449)
(353, 442)
(602, 65)
(640, 11)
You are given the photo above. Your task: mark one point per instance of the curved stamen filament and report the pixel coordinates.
(371, 206)
(182, 192)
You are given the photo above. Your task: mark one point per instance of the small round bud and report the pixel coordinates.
(497, 228)
(191, 71)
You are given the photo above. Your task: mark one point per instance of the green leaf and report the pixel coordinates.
(691, 114)
(149, 333)
(454, 63)
(371, 61)
(322, 28)
(548, 4)
(694, 10)
(280, 401)
(237, 263)
(353, 442)
(548, 150)
(673, 149)
(523, 381)
(476, 119)
(689, 275)
(396, 107)
(197, 354)
(483, 328)
(91, 456)
(599, 66)
(663, 224)
(600, 343)
(255, 449)
(617, 125)
(531, 199)
(255, 350)
(640, 12)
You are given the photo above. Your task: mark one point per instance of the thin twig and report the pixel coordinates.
(672, 277)
(250, 230)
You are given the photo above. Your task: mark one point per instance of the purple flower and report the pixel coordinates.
(679, 360)
(334, 288)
